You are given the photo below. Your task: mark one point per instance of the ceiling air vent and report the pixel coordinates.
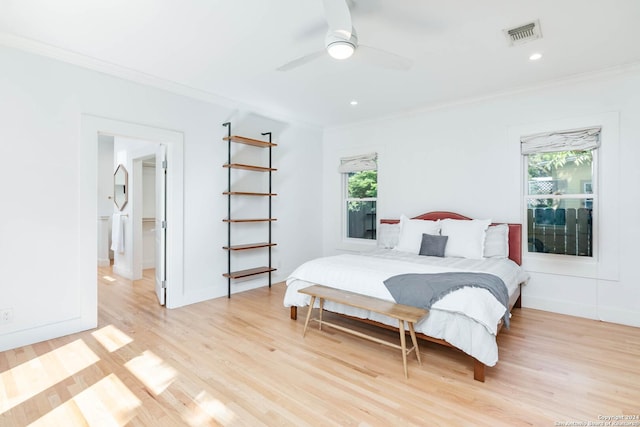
(523, 33)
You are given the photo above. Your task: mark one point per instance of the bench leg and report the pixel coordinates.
(320, 313)
(403, 344)
(306, 322)
(415, 342)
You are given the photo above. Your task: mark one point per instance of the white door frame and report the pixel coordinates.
(91, 127)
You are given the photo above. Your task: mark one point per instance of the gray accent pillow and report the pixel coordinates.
(433, 245)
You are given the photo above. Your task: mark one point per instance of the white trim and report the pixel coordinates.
(606, 233)
(610, 72)
(112, 69)
(564, 264)
(617, 315)
(41, 333)
(127, 273)
(560, 306)
(341, 242)
(174, 140)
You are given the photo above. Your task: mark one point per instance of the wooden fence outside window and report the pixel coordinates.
(560, 231)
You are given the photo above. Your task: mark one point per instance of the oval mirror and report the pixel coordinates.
(120, 194)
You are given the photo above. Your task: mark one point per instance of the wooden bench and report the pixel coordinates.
(403, 313)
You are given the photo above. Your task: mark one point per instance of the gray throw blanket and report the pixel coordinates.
(422, 290)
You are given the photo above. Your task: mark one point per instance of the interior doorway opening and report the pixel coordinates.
(132, 210)
(92, 128)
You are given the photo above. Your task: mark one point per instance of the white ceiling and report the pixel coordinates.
(231, 49)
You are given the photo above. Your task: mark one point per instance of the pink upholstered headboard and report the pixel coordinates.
(515, 231)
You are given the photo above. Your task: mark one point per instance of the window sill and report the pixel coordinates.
(561, 265)
(357, 245)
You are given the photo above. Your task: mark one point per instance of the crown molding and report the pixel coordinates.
(115, 70)
(610, 72)
(85, 61)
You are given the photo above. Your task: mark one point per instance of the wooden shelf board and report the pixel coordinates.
(248, 167)
(248, 246)
(250, 220)
(250, 272)
(249, 141)
(245, 193)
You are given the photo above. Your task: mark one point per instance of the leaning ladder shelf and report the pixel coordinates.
(268, 269)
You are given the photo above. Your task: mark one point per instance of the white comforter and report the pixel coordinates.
(466, 318)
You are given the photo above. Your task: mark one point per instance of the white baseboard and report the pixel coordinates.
(104, 262)
(205, 294)
(46, 332)
(561, 307)
(616, 315)
(605, 314)
(127, 274)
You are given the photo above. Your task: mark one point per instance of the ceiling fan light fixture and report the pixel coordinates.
(340, 49)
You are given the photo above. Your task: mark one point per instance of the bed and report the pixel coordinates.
(468, 318)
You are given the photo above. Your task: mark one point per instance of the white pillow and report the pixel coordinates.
(411, 231)
(466, 237)
(388, 235)
(496, 242)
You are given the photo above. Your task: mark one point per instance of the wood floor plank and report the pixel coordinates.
(243, 361)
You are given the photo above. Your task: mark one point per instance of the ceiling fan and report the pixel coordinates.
(341, 42)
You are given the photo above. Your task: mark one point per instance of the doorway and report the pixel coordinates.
(92, 128)
(129, 217)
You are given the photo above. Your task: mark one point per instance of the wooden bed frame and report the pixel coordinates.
(515, 254)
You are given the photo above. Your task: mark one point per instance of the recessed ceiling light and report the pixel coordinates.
(535, 56)
(354, 102)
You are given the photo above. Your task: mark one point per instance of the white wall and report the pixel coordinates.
(42, 233)
(463, 158)
(148, 191)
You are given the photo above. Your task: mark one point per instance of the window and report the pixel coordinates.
(560, 174)
(360, 190)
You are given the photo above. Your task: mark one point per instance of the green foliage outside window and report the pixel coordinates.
(362, 185)
(546, 164)
(557, 173)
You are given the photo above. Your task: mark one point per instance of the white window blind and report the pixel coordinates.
(363, 162)
(566, 140)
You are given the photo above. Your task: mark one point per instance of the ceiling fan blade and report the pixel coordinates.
(317, 29)
(382, 58)
(301, 61)
(338, 17)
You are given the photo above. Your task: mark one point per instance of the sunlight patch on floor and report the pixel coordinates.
(206, 408)
(38, 374)
(152, 371)
(109, 278)
(106, 403)
(111, 338)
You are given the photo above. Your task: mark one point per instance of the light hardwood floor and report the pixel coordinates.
(242, 361)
